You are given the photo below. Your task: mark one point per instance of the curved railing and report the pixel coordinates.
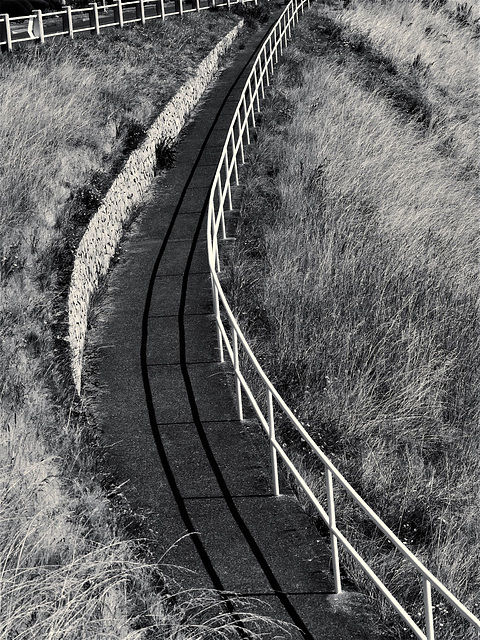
(40, 26)
(220, 201)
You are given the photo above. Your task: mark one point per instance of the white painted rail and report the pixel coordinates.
(40, 26)
(220, 200)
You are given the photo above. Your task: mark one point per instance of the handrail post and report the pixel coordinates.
(276, 44)
(267, 72)
(240, 138)
(41, 32)
(118, 13)
(427, 600)
(236, 367)
(197, 5)
(221, 208)
(273, 451)
(140, 12)
(160, 5)
(247, 129)
(270, 47)
(331, 526)
(93, 15)
(216, 310)
(234, 158)
(256, 94)
(262, 85)
(68, 21)
(7, 31)
(228, 183)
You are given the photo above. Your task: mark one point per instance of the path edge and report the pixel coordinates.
(105, 230)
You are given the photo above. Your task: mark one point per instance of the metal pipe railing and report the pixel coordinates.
(220, 201)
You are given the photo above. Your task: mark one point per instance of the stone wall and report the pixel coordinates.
(104, 232)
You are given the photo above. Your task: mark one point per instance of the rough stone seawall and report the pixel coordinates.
(105, 230)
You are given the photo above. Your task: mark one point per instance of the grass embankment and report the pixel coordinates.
(355, 274)
(69, 114)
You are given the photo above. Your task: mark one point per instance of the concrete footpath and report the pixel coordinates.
(167, 411)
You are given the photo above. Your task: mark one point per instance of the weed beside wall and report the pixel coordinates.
(104, 232)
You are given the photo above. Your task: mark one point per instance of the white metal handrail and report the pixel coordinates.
(98, 16)
(220, 200)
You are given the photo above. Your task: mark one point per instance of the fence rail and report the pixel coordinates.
(40, 26)
(220, 201)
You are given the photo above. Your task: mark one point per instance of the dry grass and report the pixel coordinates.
(441, 55)
(69, 114)
(357, 264)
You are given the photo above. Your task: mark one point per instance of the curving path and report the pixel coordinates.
(168, 414)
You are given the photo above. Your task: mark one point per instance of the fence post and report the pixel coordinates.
(68, 21)
(427, 600)
(234, 157)
(240, 138)
(118, 14)
(140, 12)
(247, 129)
(6, 32)
(197, 5)
(236, 367)
(228, 184)
(332, 524)
(216, 310)
(271, 54)
(41, 33)
(179, 7)
(160, 9)
(273, 451)
(221, 207)
(256, 94)
(267, 73)
(93, 15)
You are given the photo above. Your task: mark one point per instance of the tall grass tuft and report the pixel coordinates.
(356, 274)
(432, 46)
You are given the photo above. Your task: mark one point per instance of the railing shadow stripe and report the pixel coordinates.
(220, 201)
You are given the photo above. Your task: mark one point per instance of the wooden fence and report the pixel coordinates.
(40, 26)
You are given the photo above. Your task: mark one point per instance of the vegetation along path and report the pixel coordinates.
(197, 475)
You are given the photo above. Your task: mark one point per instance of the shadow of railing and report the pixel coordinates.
(220, 201)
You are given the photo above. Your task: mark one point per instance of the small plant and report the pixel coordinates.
(165, 156)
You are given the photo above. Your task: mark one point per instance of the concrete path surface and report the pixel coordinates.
(168, 414)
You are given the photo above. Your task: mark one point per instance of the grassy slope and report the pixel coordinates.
(69, 114)
(363, 225)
